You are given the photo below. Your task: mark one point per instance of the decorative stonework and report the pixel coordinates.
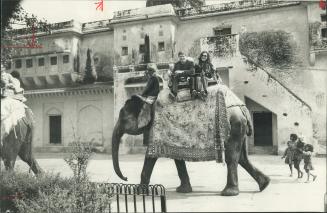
(69, 92)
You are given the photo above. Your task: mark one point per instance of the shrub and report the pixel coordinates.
(17, 185)
(270, 48)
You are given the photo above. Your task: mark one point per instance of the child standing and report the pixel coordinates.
(289, 152)
(307, 153)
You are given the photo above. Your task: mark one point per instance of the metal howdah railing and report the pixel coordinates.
(136, 197)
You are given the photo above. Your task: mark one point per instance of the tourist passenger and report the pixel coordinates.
(182, 70)
(204, 71)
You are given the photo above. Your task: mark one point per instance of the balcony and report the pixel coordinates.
(320, 45)
(242, 5)
(224, 46)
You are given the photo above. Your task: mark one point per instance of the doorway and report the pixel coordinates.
(55, 129)
(263, 135)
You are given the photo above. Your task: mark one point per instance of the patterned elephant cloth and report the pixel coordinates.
(193, 130)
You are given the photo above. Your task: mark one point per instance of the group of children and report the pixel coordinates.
(296, 151)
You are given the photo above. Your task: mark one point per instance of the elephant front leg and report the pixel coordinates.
(147, 170)
(185, 186)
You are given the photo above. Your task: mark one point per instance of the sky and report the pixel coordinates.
(81, 10)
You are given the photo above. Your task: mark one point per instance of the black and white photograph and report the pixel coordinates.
(163, 106)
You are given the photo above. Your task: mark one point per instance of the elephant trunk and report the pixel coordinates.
(116, 136)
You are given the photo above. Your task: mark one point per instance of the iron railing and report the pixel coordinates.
(229, 6)
(128, 197)
(220, 45)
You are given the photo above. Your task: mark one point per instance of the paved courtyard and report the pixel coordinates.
(208, 179)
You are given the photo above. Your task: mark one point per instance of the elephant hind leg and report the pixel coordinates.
(29, 159)
(260, 178)
(233, 149)
(9, 164)
(25, 153)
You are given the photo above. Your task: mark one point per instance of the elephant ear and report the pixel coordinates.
(144, 117)
(134, 105)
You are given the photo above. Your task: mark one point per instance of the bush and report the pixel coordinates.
(270, 48)
(51, 193)
(15, 186)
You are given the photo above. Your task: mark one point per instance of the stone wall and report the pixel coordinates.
(87, 113)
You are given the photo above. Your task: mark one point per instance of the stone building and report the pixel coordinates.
(278, 106)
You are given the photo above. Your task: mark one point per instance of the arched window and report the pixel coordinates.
(90, 128)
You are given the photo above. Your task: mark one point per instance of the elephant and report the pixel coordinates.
(19, 142)
(235, 149)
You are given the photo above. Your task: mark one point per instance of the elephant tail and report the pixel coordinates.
(247, 115)
(250, 128)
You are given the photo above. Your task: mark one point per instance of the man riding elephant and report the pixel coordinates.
(151, 90)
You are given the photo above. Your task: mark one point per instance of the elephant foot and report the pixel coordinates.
(230, 191)
(264, 183)
(142, 189)
(184, 188)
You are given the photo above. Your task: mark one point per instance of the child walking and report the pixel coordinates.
(307, 153)
(289, 152)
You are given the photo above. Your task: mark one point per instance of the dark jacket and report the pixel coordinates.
(152, 87)
(205, 68)
(188, 67)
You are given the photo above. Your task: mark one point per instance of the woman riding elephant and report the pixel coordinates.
(235, 146)
(204, 70)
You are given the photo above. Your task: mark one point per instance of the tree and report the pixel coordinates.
(147, 58)
(90, 74)
(177, 3)
(12, 38)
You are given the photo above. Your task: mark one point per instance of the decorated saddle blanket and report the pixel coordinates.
(12, 111)
(194, 130)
